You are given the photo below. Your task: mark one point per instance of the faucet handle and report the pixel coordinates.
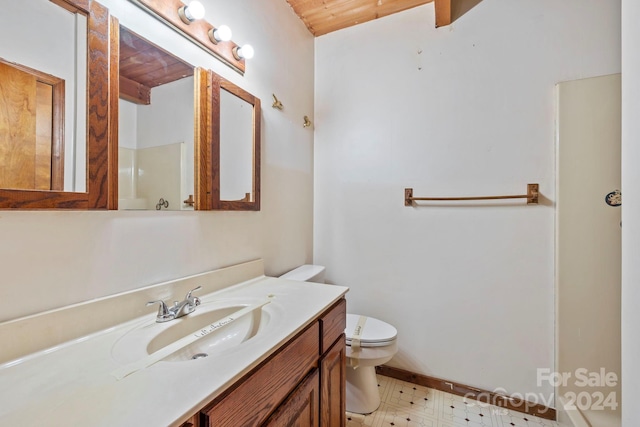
(164, 314)
(193, 300)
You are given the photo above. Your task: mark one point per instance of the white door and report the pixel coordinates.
(588, 232)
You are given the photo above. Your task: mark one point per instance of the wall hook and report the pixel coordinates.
(276, 103)
(307, 122)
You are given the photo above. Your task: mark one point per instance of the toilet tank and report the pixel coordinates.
(306, 273)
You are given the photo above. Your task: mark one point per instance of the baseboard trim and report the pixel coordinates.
(483, 396)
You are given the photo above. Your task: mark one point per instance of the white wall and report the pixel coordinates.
(170, 116)
(127, 153)
(461, 110)
(630, 211)
(51, 259)
(127, 124)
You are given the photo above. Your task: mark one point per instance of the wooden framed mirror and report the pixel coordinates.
(235, 147)
(56, 126)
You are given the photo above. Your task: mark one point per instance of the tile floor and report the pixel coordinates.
(409, 405)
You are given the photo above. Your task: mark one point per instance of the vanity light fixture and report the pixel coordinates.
(244, 52)
(199, 31)
(220, 34)
(193, 11)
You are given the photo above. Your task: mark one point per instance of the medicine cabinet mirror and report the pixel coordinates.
(55, 105)
(158, 97)
(235, 148)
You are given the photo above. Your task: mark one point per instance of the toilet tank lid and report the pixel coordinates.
(304, 273)
(374, 331)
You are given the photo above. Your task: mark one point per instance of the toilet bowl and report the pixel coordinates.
(370, 343)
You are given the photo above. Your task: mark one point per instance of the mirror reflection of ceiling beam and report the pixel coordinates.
(144, 66)
(134, 92)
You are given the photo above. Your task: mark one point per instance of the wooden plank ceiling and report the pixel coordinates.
(324, 16)
(143, 66)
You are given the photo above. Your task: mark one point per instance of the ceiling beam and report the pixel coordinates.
(443, 13)
(324, 16)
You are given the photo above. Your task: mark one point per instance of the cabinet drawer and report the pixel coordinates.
(332, 324)
(260, 393)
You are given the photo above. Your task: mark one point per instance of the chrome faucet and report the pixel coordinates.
(179, 309)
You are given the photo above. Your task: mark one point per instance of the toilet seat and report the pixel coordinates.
(375, 333)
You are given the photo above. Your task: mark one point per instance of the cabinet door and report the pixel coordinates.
(333, 368)
(300, 409)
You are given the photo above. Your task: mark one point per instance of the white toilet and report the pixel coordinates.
(374, 345)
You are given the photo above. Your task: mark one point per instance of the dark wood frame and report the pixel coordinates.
(204, 101)
(102, 121)
(217, 84)
(57, 135)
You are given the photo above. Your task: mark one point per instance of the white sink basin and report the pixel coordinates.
(209, 326)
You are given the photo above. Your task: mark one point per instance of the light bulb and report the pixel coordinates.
(245, 51)
(220, 34)
(188, 14)
(195, 10)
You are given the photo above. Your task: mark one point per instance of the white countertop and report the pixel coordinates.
(73, 385)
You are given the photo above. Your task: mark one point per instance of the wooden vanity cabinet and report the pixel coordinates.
(301, 384)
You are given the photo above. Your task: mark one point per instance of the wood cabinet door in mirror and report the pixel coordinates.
(100, 177)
